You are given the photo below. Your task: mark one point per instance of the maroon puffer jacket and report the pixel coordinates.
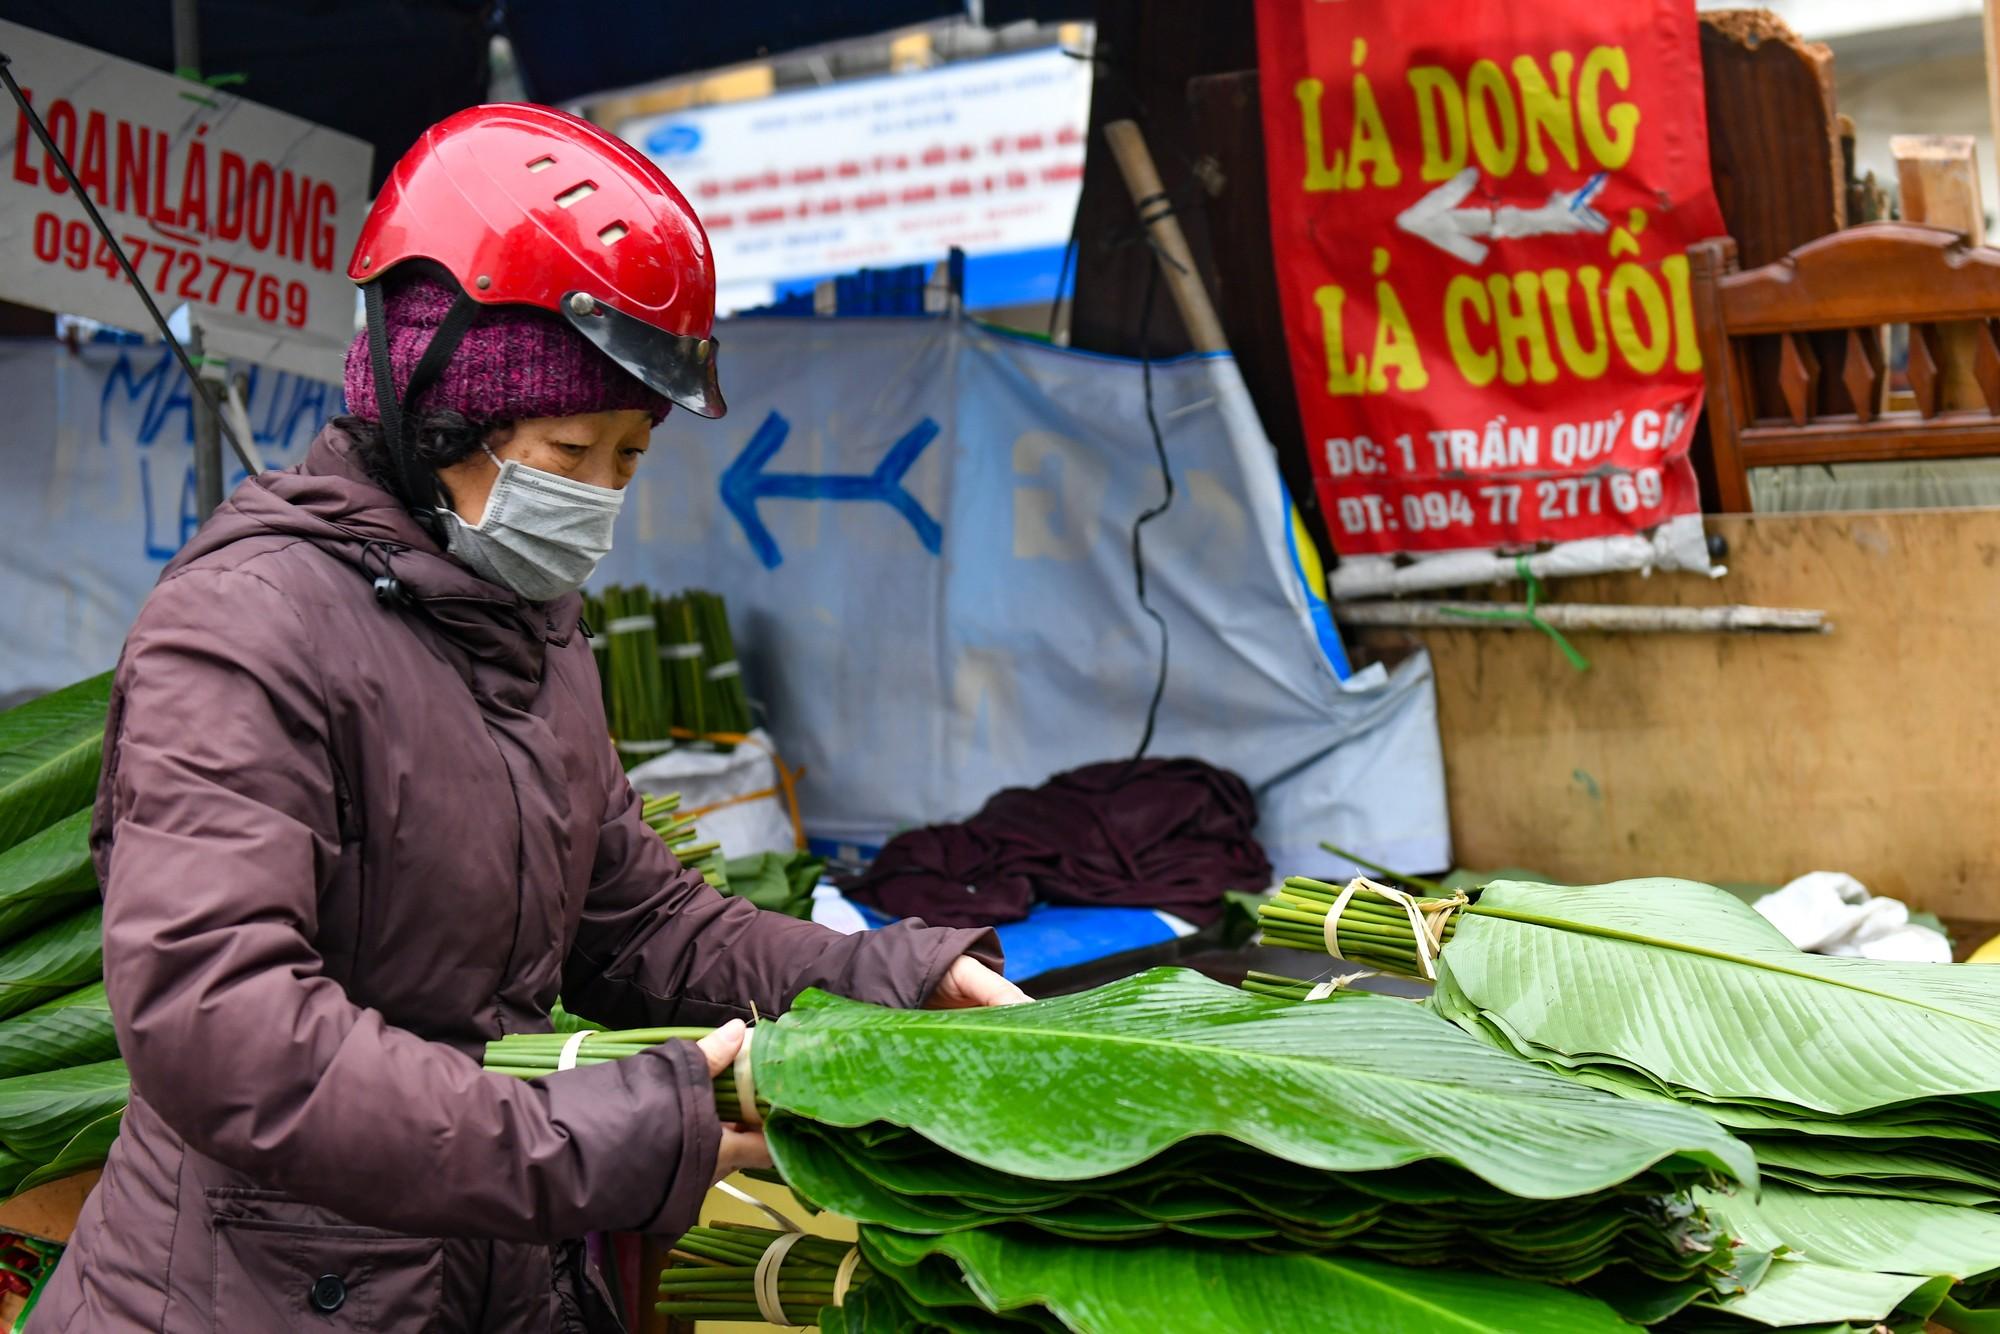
(343, 845)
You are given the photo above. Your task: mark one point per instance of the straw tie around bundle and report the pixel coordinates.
(1428, 938)
(1366, 922)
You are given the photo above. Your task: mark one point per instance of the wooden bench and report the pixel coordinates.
(1793, 352)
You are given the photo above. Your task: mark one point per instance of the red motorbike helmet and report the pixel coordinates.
(527, 205)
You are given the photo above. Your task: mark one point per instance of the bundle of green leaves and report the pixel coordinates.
(997, 1279)
(780, 882)
(1171, 1111)
(1869, 1091)
(60, 1091)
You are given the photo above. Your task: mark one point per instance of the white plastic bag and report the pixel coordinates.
(740, 798)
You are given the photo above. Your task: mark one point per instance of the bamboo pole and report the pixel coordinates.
(1142, 178)
(1582, 616)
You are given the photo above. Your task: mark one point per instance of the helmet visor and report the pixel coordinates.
(679, 366)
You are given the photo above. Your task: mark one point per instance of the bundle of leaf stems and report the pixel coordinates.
(636, 702)
(1373, 931)
(1276, 986)
(660, 815)
(712, 1274)
(680, 636)
(532, 1055)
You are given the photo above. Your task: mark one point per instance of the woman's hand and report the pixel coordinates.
(970, 984)
(741, 1148)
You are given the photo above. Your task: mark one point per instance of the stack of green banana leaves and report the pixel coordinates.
(1869, 1091)
(1005, 1279)
(638, 704)
(708, 693)
(1172, 1117)
(61, 1088)
(663, 816)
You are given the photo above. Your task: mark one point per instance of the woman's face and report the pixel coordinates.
(601, 448)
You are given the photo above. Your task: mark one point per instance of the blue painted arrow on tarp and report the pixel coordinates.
(745, 483)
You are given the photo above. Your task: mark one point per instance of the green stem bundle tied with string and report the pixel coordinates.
(532, 1055)
(1374, 925)
(733, 1271)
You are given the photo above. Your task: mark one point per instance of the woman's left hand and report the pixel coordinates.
(971, 984)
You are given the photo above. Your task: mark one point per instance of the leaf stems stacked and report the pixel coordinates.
(662, 816)
(711, 1274)
(636, 702)
(1373, 930)
(532, 1055)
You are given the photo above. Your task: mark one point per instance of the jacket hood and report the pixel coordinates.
(331, 502)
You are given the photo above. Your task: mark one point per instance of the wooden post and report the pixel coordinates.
(1993, 73)
(1938, 177)
(1722, 371)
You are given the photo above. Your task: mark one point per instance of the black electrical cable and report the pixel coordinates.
(1062, 274)
(1166, 501)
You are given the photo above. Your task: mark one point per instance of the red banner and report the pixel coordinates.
(1481, 214)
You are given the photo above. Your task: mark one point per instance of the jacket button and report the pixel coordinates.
(328, 1294)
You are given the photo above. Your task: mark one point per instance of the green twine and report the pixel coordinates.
(1527, 617)
(211, 81)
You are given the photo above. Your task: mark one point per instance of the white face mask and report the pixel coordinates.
(541, 535)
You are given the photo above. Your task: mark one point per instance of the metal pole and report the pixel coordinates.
(1618, 618)
(207, 436)
(187, 38)
(207, 423)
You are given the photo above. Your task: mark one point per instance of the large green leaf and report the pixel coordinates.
(46, 875)
(84, 1150)
(776, 881)
(1689, 984)
(40, 1114)
(1801, 1292)
(1880, 1235)
(1897, 1162)
(1150, 1287)
(1081, 1086)
(72, 1029)
(66, 954)
(49, 753)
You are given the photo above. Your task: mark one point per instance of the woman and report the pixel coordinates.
(360, 814)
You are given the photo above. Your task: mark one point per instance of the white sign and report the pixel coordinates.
(245, 214)
(986, 156)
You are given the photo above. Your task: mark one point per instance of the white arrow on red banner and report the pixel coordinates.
(1437, 217)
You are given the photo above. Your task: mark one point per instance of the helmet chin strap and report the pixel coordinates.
(416, 486)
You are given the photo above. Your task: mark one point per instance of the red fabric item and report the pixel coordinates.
(343, 846)
(1171, 834)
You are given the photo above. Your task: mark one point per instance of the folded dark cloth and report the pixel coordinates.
(1171, 834)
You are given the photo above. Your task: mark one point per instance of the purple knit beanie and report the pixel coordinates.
(515, 362)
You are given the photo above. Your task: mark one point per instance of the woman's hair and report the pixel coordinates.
(442, 438)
